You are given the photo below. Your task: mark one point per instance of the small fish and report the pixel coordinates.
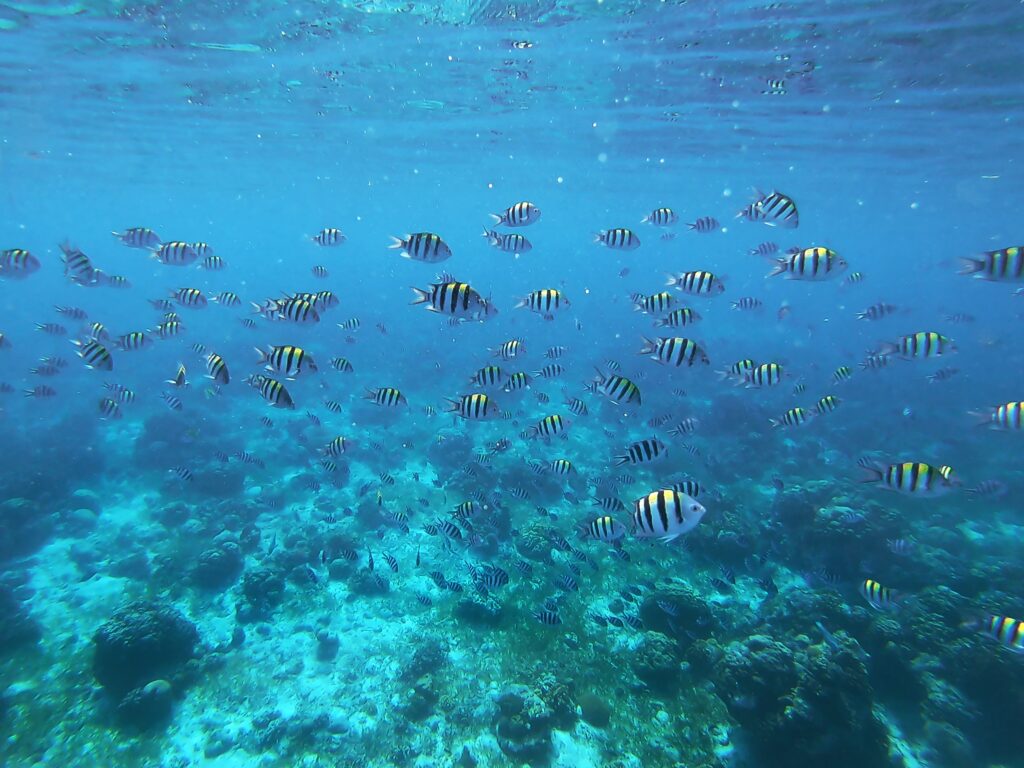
(619, 239)
(809, 264)
(747, 303)
(880, 598)
(685, 427)
(876, 311)
(899, 546)
(774, 209)
(139, 237)
(704, 225)
(642, 452)
(183, 473)
(674, 350)
(1006, 417)
(547, 617)
(764, 249)
(329, 237)
(912, 478)
(943, 374)
(518, 215)
(697, 283)
(989, 489)
(1004, 265)
(422, 246)
(661, 217)
(1006, 631)
(923, 344)
(678, 318)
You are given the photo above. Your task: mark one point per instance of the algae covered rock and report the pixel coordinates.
(523, 726)
(655, 663)
(140, 643)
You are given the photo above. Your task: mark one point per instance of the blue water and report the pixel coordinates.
(253, 126)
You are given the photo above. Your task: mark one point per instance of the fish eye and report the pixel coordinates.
(694, 507)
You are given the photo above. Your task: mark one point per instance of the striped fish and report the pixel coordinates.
(550, 371)
(1008, 416)
(286, 360)
(212, 262)
(913, 478)
(549, 426)
(841, 374)
(876, 311)
(1005, 265)
(576, 405)
(422, 246)
(133, 341)
(616, 388)
(217, 369)
(643, 452)
(697, 283)
(169, 329)
(94, 355)
(517, 381)
(518, 215)
(488, 376)
(665, 514)
(510, 349)
(704, 225)
(794, 417)
(774, 209)
(189, 297)
(661, 217)
(674, 350)
(685, 427)
(386, 396)
(1006, 631)
(507, 242)
(619, 239)
(827, 404)
(475, 407)
(455, 299)
(678, 318)
(747, 303)
(138, 237)
(173, 402)
(545, 302)
(175, 253)
(78, 267)
(329, 237)
(815, 263)
(342, 364)
(656, 303)
(560, 467)
(272, 391)
(17, 263)
(764, 375)
(880, 598)
(923, 344)
(109, 408)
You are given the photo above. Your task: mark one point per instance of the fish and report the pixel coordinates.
(94, 355)
(1006, 631)
(660, 302)
(747, 303)
(341, 364)
(943, 374)
(172, 401)
(474, 407)
(794, 417)
(666, 514)
(815, 263)
(923, 345)
(774, 209)
(899, 546)
(697, 283)
(827, 404)
(52, 329)
(549, 426)
(704, 224)
(764, 375)
(72, 313)
(852, 279)
(545, 302)
(175, 253)
(217, 369)
(183, 473)
(616, 388)
(842, 374)
(133, 341)
(288, 361)
(764, 249)
(109, 408)
(880, 598)
(643, 452)
(1004, 265)
(17, 263)
(619, 239)
(78, 267)
(685, 427)
(454, 299)
(678, 318)
(508, 242)
(389, 397)
(139, 237)
(320, 271)
(274, 392)
(912, 478)
(518, 215)
(674, 350)
(1006, 417)
(550, 371)
(41, 390)
(661, 217)
(517, 381)
(293, 309)
(227, 299)
(604, 528)
(547, 617)
(422, 246)
(189, 297)
(510, 349)
(877, 311)
(989, 489)
(329, 237)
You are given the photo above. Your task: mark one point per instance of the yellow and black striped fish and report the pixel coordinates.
(139, 237)
(336, 447)
(422, 246)
(545, 302)
(474, 407)
(698, 282)
(169, 329)
(827, 404)
(815, 263)
(133, 341)
(175, 253)
(390, 397)
(1006, 631)
(678, 318)
(17, 263)
(1005, 265)
(675, 350)
(488, 376)
(1008, 416)
(794, 417)
(453, 298)
(656, 303)
(94, 355)
(510, 349)
(549, 426)
(616, 388)
(764, 375)
(517, 381)
(272, 391)
(286, 360)
(189, 297)
(880, 598)
(619, 239)
(923, 344)
(666, 514)
(217, 369)
(913, 478)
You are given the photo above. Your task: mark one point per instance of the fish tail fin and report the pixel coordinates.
(781, 267)
(497, 219)
(621, 460)
(649, 346)
(873, 473)
(980, 419)
(671, 280)
(422, 297)
(396, 242)
(969, 266)
(600, 236)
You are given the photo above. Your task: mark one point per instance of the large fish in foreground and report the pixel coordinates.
(666, 514)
